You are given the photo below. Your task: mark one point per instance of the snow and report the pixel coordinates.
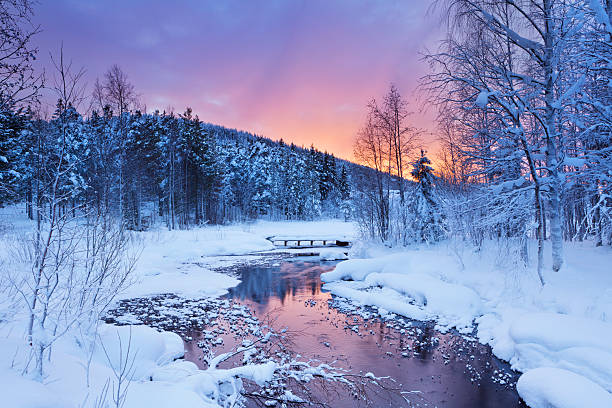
(259, 373)
(554, 340)
(483, 99)
(179, 262)
(574, 161)
(565, 325)
(151, 349)
(153, 378)
(263, 228)
(510, 185)
(557, 331)
(557, 388)
(24, 393)
(311, 237)
(332, 254)
(407, 285)
(601, 14)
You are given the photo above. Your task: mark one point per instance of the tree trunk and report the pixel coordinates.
(551, 148)
(539, 232)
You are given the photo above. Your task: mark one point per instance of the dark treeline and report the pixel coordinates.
(155, 167)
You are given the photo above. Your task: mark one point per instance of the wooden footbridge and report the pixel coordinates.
(310, 240)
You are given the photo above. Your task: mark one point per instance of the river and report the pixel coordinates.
(428, 368)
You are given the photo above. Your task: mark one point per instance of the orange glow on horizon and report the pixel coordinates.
(300, 71)
(330, 131)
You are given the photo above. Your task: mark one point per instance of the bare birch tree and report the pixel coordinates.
(19, 82)
(385, 144)
(504, 60)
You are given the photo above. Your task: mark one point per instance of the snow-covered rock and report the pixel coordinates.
(556, 388)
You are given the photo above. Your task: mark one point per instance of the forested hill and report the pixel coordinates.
(147, 168)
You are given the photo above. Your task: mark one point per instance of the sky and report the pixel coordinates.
(302, 71)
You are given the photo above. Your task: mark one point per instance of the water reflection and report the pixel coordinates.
(444, 370)
(260, 284)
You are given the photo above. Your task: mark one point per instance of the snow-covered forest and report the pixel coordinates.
(160, 167)
(128, 237)
(165, 168)
(523, 91)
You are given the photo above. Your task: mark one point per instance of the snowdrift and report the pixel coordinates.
(559, 336)
(407, 285)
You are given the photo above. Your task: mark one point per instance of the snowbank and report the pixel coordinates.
(21, 392)
(580, 345)
(183, 262)
(407, 285)
(558, 332)
(556, 388)
(332, 254)
(144, 351)
(149, 348)
(566, 326)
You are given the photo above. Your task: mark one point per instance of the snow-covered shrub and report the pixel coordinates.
(64, 275)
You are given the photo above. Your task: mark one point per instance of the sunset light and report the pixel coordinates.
(305, 203)
(302, 71)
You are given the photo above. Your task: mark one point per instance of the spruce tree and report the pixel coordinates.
(427, 218)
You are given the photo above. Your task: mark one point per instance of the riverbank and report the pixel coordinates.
(556, 334)
(93, 364)
(560, 328)
(428, 368)
(177, 261)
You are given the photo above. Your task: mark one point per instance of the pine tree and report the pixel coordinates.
(343, 184)
(12, 153)
(344, 190)
(427, 219)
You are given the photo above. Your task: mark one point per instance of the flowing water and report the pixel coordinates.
(434, 369)
(428, 368)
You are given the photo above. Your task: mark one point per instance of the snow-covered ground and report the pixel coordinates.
(182, 262)
(147, 361)
(559, 336)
